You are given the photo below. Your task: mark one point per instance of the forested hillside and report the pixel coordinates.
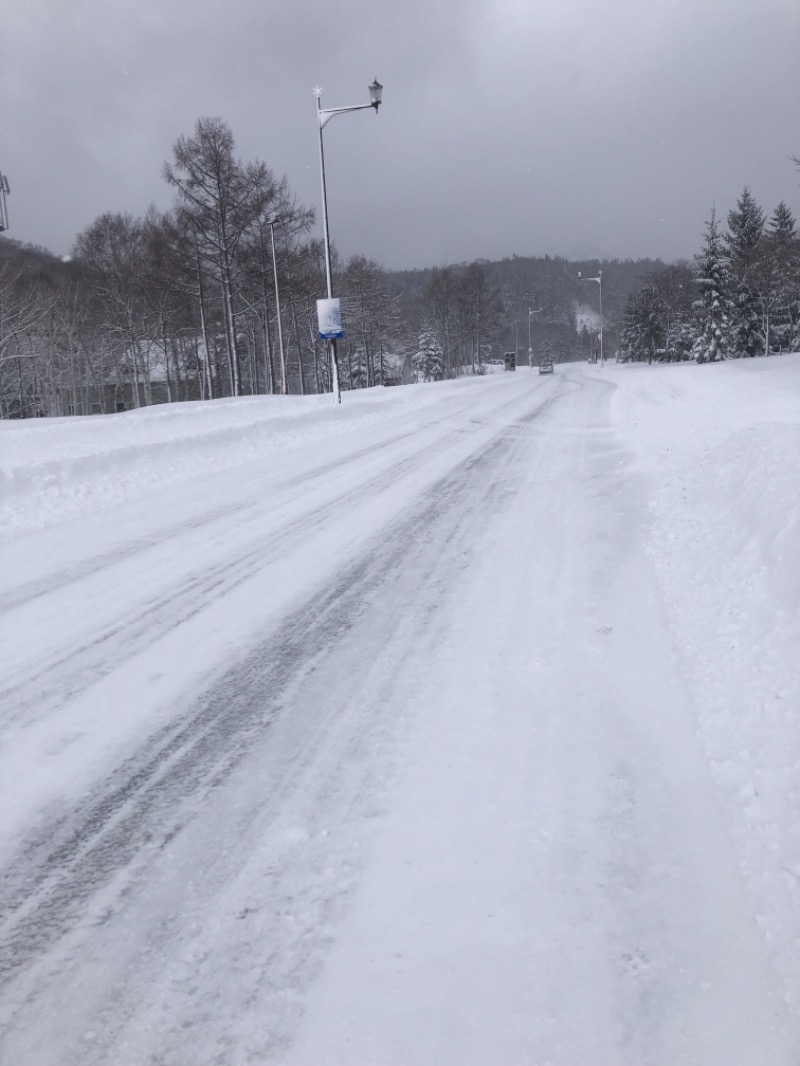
(564, 312)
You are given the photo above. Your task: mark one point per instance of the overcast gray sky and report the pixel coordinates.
(568, 127)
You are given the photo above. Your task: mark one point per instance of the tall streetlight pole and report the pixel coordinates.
(324, 115)
(271, 223)
(530, 346)
(599, 280)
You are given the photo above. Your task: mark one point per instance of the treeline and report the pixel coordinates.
(182, 305)
(536, 303)
(740, 297)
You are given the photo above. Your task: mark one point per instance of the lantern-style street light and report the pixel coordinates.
(324, 115)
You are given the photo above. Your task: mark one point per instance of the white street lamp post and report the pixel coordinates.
(599, 280)
(324, 115)
(271, 223)
(530, 346)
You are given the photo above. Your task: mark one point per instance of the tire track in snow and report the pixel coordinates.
(46, 890)
(25, 593)
(33, 695)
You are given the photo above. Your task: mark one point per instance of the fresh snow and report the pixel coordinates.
(725, 500)
(58, 468)
(457, 724)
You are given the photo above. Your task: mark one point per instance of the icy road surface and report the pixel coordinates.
(373, 752)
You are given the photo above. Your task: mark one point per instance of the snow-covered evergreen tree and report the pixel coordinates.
(711, 342)
(643, 329)
(784, 252)
(428, 360)
(650, 310)
(358, 366)
(681, 342)
(657, 323)
(743, 251)
(672, 304)
(628, 335)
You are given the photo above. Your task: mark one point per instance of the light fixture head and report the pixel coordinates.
(375, 91)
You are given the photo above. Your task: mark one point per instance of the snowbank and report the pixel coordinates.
(719, 446)
(53, 469)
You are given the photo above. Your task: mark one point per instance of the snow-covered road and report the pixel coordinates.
(377, 753)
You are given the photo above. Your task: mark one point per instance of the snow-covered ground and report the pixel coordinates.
(458, 724)
(721, 455)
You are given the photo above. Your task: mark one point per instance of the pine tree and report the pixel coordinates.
(784, 247)
(644, 326)
(711, 342)
(628, 334)
(428, 360)
(675, 285)
(650, 310)
(744, 250)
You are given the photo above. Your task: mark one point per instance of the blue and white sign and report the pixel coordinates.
(329, 316)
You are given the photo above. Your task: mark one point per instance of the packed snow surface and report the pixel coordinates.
(454, 725)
